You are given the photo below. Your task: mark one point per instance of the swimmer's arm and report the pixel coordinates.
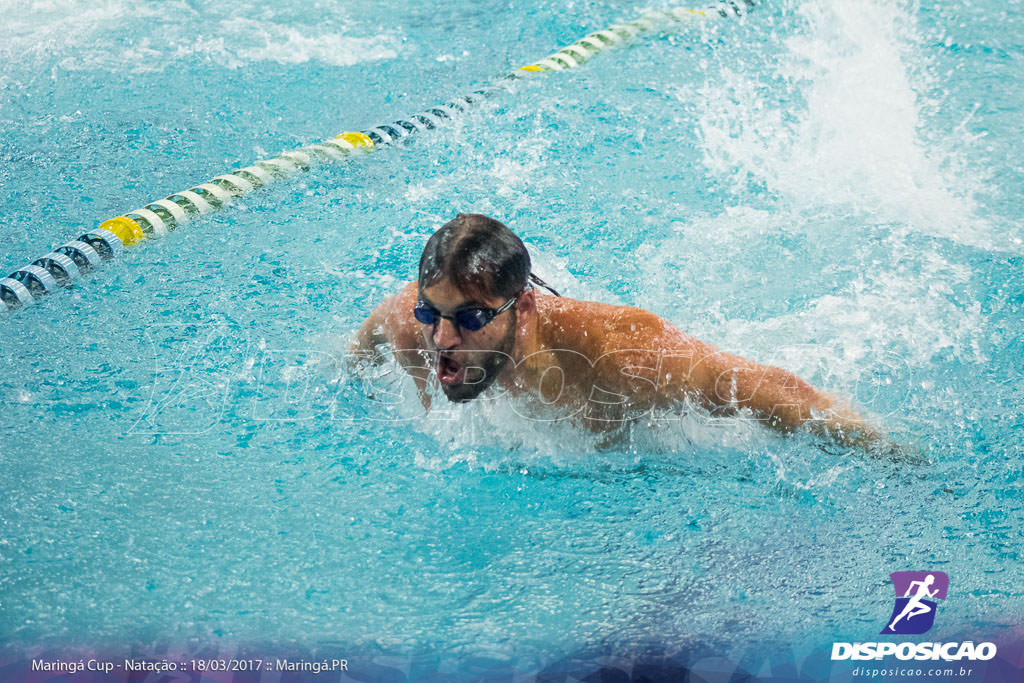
(724, 382)
(690, 369)
(781, 399)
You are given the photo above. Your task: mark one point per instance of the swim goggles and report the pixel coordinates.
(470, 318)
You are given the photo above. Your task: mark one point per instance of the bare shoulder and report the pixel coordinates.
(391, 322)
(602, 328)
(400, 324)
(631, 351)
(616, 340)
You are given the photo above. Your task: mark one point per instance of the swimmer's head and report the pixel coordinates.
(477, 254)
(473, 262)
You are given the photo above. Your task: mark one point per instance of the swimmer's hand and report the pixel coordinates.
(868, 439)
(900, 452)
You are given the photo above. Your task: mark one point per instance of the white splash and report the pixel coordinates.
(851, 130)
(152, 37)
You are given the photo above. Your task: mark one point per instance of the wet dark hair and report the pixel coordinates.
(480, 256)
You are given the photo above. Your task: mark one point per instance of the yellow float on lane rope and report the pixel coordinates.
(127, 230)
(356, 139)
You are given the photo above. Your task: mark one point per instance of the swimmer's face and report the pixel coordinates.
(467, 361)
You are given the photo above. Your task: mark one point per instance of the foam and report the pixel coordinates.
(78, 33)
(259, 41)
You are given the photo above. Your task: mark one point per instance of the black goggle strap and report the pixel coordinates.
(537, 281)
(505, 306)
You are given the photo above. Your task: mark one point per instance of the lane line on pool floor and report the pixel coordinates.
(68, 262)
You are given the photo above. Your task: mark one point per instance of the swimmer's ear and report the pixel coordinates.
(527, 302)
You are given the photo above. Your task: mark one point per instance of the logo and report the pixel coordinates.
(916, 596)
(913, 614)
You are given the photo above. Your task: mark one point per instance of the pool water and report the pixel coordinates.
(827, 186)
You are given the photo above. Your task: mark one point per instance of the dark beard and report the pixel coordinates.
(488, 370)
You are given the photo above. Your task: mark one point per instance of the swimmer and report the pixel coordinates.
(914, 606)
(475, 319)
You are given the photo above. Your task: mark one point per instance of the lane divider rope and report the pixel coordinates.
(70, 261)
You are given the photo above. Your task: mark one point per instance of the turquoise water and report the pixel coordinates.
(827, 186)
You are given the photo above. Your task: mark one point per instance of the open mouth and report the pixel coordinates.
(450, 371)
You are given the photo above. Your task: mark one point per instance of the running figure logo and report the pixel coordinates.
(916, 595)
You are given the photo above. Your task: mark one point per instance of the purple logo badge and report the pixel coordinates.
(916, 596)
